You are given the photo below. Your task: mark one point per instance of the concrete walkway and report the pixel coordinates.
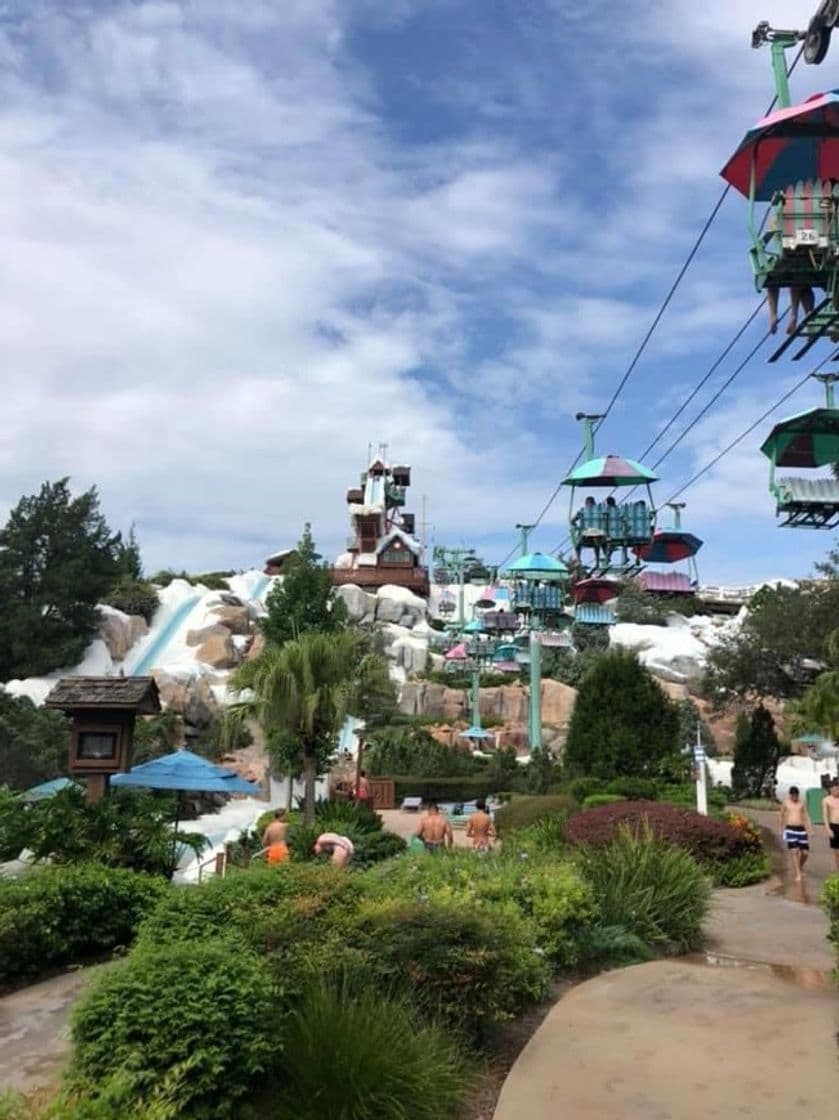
(747, 1029)
(34, 1030)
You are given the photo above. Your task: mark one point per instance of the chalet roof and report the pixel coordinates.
(280, 555)
(137, 693)
(401, 535)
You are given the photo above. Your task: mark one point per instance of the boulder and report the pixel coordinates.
(218, 649)
(412, 655)
(256, 647)
(361, 605)
(422, 698)
(234, 617)
(557, 703)
(173, 690)
(120, 631)
(398, 604)
(198, 637)
(201, 706)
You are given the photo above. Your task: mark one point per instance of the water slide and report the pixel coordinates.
(166, 641)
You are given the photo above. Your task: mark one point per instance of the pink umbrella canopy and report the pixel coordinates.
(799, 143)
(457, 653)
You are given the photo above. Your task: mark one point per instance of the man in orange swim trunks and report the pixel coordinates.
(274, 839)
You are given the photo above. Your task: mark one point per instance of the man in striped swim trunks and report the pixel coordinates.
(795, 826)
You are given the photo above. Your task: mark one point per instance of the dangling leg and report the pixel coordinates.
(794, 304)
(772, 304)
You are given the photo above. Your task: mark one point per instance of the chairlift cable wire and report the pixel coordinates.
(658, 317)
(747, 432)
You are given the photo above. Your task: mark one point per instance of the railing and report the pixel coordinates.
(415, 579)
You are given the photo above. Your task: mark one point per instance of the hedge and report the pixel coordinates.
(448, 789)
(63, 915)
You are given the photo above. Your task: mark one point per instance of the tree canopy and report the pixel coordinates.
(757, 750)
(34, 743)
(303, 600)
(623, 724)
(779, 648)
(302, 692)
(58, 558)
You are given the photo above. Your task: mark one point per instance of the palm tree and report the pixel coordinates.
(303, 689)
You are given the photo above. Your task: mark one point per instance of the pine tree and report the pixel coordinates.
(130, 563)
(58, 558)
(757, 750)
(304, 599)
(623, 724)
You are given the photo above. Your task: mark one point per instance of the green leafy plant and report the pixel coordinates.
(195, 1008)
(469, 968)
(595, 799)
(549, 895)
(381, 1060)
(743, 870)
(61, 915)
(34, 743)
(522, 811)
(649, 887)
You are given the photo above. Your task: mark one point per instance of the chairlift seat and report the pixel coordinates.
(808, 502)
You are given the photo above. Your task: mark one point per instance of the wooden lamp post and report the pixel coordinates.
(102, 712)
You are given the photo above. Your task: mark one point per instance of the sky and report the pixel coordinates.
(243, 242)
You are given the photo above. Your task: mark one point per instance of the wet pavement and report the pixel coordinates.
(746, 1029)
(34, 1030)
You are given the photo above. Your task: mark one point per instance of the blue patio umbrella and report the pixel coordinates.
(48, 789)
(183, 772)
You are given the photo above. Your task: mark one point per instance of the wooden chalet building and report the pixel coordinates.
(382, 548)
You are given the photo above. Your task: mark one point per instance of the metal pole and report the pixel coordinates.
(779, 67)
(476, 697)
(461, 618)
(701, 787)
(535, 712)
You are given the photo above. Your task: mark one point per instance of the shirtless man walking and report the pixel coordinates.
(830, 816)
(435, 829)
(795, 826)
(480, 828)
(274, 839)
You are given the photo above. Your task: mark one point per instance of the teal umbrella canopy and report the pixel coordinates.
(48, 789)
(809, 439)
(610, 470)
(183, 770)
(475, 732)
(537, 565)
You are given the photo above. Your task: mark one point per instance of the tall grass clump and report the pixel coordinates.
(352, 1053)
(649, 887)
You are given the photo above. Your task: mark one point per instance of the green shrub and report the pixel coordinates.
(830, 902)
(356, 1053)
(543, 837)
(361, 816)
(684, 795)
(743, 870)
(649, 887)
(414, 750)
(520, 812)
(245, 905)
(596, 799)
(548, 894)
(369, 846)
(197, 1015)
(62, 915)
(449, 789)
(581, 788)
(469, 968)
(134, 597)
(633, 789)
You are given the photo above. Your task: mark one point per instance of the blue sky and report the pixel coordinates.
(242, 242)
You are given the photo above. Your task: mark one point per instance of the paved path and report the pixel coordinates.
(689, 1040)
(34, 1030)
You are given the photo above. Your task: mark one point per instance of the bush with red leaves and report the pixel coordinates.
(708, 841)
